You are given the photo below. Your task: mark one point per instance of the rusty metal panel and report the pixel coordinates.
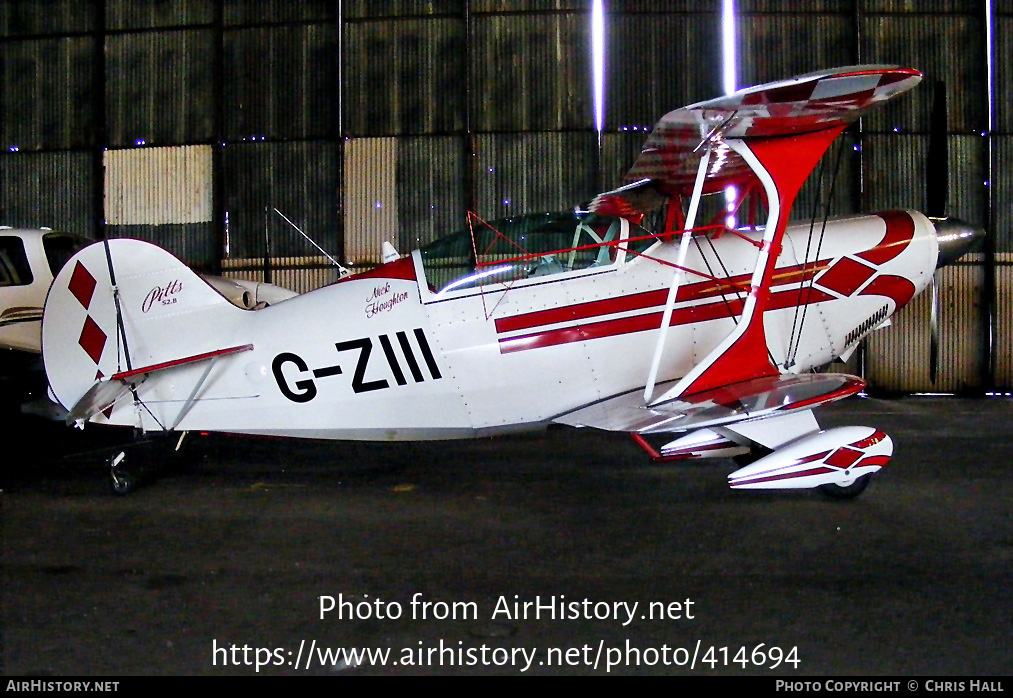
(898, 357)
(526, 173)
(152, 186)
(163, 195)
(371, 200)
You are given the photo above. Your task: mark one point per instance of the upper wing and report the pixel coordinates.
(813, 102)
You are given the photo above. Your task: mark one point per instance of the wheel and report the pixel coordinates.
(754, 454)
(846, 491)
(122, 481)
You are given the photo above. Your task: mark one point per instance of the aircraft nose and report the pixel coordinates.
(955, 237)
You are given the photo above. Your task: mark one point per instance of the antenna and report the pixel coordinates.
(342, 271)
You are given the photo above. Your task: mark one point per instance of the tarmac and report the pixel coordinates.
(564, 552)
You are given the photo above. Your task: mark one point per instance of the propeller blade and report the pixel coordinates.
(934, 330)
(937, 191)
(937, 174)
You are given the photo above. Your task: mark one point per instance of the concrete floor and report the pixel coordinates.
(213, 568)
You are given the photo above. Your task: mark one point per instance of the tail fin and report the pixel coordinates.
(122, 304)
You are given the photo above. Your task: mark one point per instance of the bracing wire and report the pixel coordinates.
(795, 342)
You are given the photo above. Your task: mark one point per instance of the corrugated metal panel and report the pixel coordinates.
(53, 17)
(528, 77)
(47, 93)
(299, 179)
(927, 42)
(1004, 72)
(921, 6)
(130, 14)
(619, 151)
(1004, 325)
(159, 88)
(355, 9)
(194, 243)
(1002, 181)
(837, 188)
(277, 11)
(279, 82)
(527, 173)
(371, 200)
(162, 195)
(152, 186)
(897, 174)
(405, 77)
(299, 274)
(777, 46)
(527, 5)
(898, 357)
(54, 190)
(668, 8)
(656, 63)
(809, 7)
(430, 188)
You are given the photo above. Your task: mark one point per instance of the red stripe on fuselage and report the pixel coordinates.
(652, 321)
(650, 299)
(900, 231)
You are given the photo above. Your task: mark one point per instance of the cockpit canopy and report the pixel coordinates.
(523, 247)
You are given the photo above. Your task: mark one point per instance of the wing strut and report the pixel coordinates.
(673, 290)
(782, 165)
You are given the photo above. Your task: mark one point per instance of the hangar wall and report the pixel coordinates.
(364, 121)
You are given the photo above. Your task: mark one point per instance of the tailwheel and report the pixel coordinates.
(851, 491)
(121, 480)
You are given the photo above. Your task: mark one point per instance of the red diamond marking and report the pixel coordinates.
(92, 340)
(843, 457)
(82, 285)
(845, 277)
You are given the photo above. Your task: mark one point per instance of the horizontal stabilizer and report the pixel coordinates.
(102, 395)
(105, 392)
(145, 370)
(752, 399)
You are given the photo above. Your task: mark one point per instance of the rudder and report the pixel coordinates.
(121, 304)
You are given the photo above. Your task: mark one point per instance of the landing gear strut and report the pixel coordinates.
(121, 480)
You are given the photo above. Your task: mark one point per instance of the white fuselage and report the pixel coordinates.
(384, 356)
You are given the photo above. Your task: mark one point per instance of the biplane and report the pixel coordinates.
(627, 314)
